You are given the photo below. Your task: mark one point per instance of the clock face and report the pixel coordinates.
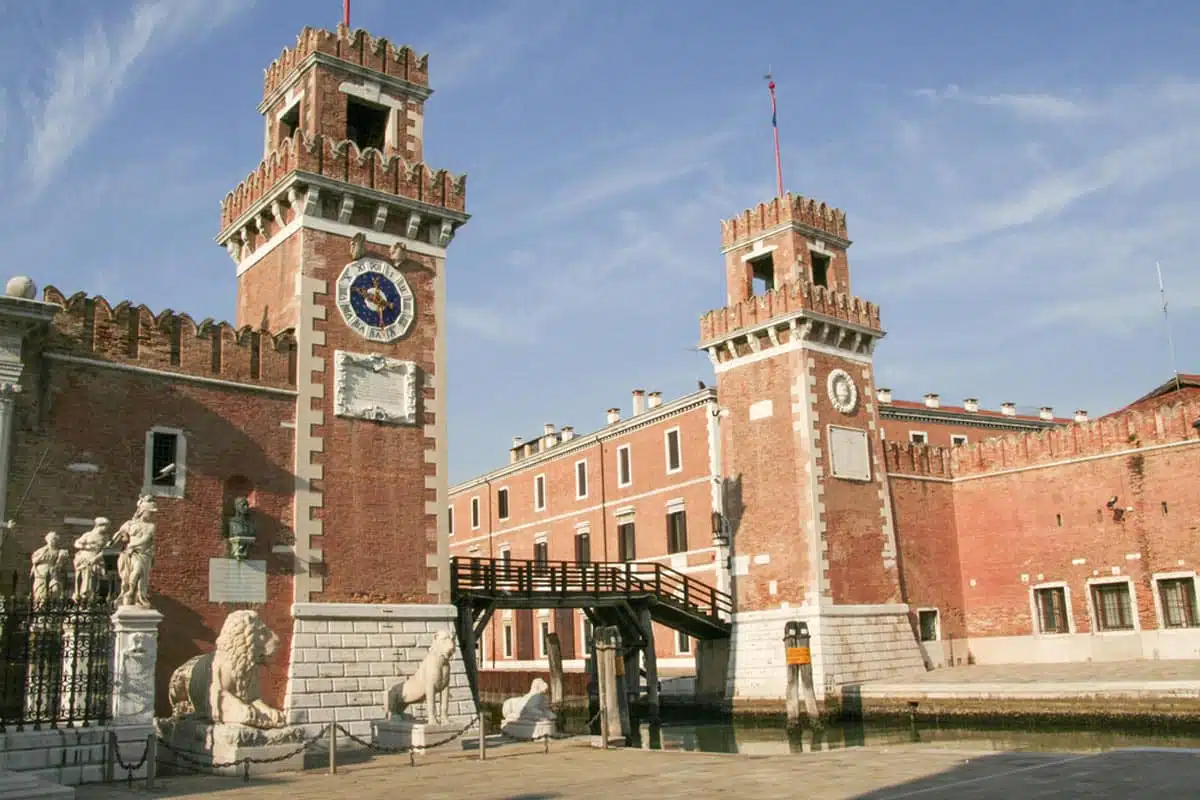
(375, 300)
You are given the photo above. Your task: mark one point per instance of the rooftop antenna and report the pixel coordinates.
(775, 128)
(1167, 320)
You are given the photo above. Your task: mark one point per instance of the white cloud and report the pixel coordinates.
(89, 72)
(1035, 106)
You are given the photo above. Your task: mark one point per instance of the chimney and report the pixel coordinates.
(883, 395)
(568, 433)
(548, 437)
(514, 454)
(1046, 412)
(528, 449)
(1008, 409)
(932, 400)
(971, 404)
(654, 400)
(639, 401)
(1081, 415)
(614, 416)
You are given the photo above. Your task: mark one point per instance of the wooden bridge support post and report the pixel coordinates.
(467, 644)
(651, 659)
(554, 656)
(608, 651)
(796, 642)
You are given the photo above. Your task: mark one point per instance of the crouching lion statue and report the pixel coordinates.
(223, 685)
(430, 683)
(533, 706)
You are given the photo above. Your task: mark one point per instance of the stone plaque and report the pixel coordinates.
(233, 581)
(375, 388)
(849, 453)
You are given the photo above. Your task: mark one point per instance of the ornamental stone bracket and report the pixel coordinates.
(314, 197)
(803, 327)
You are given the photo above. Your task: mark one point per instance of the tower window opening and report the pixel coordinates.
(762, 272)
(366, 124)
(289, 122)
(820, 269)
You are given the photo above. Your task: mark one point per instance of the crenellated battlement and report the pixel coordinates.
(355, 46)
(1165, 424)
(922, 460)
(90, 327)
(789, 208)
(789, 298)
(342, 160)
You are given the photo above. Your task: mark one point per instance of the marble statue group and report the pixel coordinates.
(135, 541)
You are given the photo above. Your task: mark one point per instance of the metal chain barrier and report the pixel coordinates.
(411, 749)
(198, 763)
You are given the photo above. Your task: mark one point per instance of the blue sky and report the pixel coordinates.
(1011, 174)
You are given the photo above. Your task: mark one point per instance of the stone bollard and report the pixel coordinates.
(796, 642)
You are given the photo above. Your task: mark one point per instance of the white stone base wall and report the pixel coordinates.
(71, 755)
(849, 645)
(345, 656)
(1182, 643)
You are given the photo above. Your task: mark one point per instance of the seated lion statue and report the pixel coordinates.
(430, 683)
(533, 706)
(223, 685)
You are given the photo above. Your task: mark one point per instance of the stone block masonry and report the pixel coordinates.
(345, 656)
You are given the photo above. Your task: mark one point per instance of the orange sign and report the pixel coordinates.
(798, 655)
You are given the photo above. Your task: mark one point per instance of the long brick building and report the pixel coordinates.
(907, 534)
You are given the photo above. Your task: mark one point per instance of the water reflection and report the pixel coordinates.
(752, 736)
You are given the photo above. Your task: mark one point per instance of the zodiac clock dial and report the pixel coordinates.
(375, 300)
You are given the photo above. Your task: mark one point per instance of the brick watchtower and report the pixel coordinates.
(807, 502)
(341, 233)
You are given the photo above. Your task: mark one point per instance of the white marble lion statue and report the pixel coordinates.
(533, 706)
(430, 683)
(223, 685)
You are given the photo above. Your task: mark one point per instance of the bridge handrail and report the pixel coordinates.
(528, 577)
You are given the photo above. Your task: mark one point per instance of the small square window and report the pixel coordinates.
(918, 437)
(927, 621)
(957, 439)
(1052, 609)
(1114, 611)
(164, 468)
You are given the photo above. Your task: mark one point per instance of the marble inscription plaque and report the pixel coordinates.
(850, 454)
(233, 581)
(374, 387)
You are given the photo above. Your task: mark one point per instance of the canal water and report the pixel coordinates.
(770, 736)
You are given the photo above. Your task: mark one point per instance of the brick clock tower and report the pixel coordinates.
(341, 234)
(806, 497)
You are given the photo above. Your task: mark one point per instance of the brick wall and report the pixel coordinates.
(80, 414)
(377, 532)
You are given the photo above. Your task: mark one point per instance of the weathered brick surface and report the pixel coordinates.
(376, 529)
(71, 414)
(567, 515)
(928, 540)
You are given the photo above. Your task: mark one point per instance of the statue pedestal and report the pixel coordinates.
(529, 729)
(420, 736)
(194, 743)
(135, 654)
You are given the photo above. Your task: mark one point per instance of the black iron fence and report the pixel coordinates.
(55, 663)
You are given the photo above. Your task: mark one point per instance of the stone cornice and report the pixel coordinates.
(645, 419)
(803, 327)
(419, 93)
(974, 419)
(799, 227)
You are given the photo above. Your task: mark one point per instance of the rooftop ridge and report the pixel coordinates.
(778, 210)
(355, 46)
(343, 160)
(91, 327)
(788, 298)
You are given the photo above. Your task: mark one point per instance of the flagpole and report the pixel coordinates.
(1162, 291)
(775, 129)
(346, 13)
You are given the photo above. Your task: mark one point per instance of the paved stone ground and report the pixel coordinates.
(1105, 672)
(573, 770)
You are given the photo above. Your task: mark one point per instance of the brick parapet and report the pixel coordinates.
(357, 47)
(787, 299)
(342, 160)
(90, 327)
(789, 208)
(1168, 423)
